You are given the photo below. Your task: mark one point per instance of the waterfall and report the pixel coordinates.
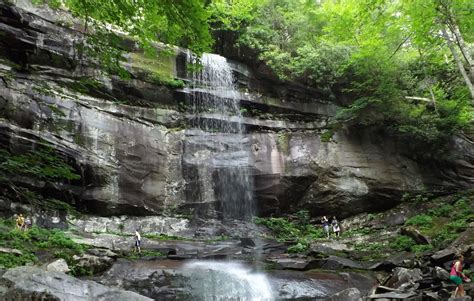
(213, 281)
(221, 154)
(216, 109)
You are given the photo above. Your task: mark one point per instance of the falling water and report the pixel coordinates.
(224, 162)
(213, 281)
(216, 106)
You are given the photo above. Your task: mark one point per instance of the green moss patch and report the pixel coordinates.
(159, 69)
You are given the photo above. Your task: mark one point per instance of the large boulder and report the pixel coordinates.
(415, 235)
(33, 283)
(59, 265)
(440, 274)
(93, 264)
(403, 278)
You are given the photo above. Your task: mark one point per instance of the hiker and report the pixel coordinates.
(335, 226)
(27, 224)
(456, 276)
(20, 222)
(137, 241)
(325, 223)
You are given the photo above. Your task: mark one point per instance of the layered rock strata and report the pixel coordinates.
(136, 147)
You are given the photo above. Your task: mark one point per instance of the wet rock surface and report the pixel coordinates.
(145, 157)
(350, 294)
(170, 280)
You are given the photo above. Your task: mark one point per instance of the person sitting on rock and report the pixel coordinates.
(456, 276)
(325, 223)
(137, 241)
(20, 222)
(335, 226)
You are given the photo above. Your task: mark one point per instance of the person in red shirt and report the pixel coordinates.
(457, 276)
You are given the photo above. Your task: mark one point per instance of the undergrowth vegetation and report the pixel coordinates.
(297, 230)
(441, 225)
(35, 243)
(444, 222)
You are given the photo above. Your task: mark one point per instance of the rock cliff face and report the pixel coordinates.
(136, 147)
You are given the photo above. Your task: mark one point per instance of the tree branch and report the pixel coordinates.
(400, 45)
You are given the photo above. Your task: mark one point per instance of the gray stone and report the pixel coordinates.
(443, 255)
(411, 296)
(59, 265)
(92, 263)
(415, 235)
(469, 288)
(10, 251)
(26, 283)
(300, 264)
(465, 298)
(177, 249)
(403, 277)
(329, 247)
(247, 242)
(335, 263)
(350, 294)
(126, 225)
(102, 252)
(274, 247)
(382, 266)
(403, 259)
(440, 273)
(432, 296)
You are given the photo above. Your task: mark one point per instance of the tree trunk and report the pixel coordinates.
(459, 63)
(462, 46)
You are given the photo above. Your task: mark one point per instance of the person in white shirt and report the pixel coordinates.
(137, 241)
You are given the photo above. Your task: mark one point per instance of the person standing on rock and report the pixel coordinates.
(325, 223)
(457, 276)
(335, 226)
(137, 241)
(20, 222)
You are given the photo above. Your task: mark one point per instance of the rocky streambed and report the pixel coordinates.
(193, 259)
(171, 279)
(244, 269)
(218, 280)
